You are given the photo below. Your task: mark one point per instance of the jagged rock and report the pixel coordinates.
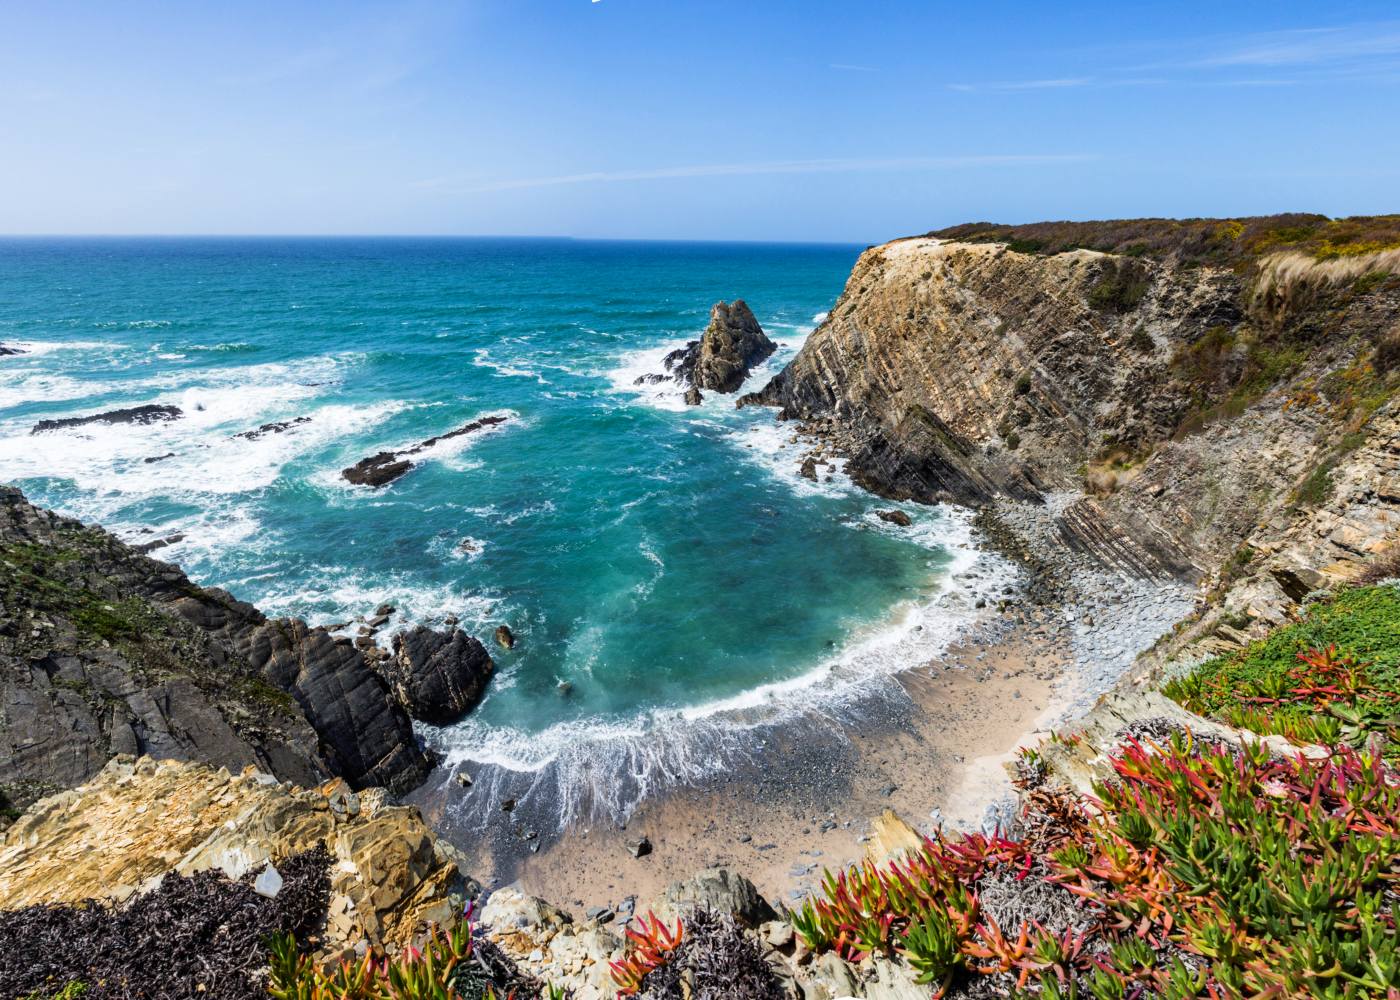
(895, 517)
(139, 818)
(551, 944)
(891, 838)
(720, 890)
(438, 676)
(6, 351)
(640, 847)
(725, 353)
(384, 467)
(149, 414)
(808, 469)
(505, 638)
(693, 397)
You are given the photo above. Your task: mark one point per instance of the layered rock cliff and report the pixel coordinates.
(1187, 378)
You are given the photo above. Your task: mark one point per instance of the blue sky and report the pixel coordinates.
(795, 119)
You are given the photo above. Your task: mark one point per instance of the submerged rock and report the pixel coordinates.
(505, 638)
(276, 427)
(6, 351)
(895, 517)
(693, 397)
(438, 676)
(384, 467)
(149, 414)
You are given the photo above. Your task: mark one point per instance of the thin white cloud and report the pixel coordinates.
(1058, 83)
(1312, 46)
(853, 68)
(832, 166)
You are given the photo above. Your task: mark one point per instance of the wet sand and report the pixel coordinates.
(926, 747)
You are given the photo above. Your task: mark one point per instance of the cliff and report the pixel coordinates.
(1187, 378)
(105, 651)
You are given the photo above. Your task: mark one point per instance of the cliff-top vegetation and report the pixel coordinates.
(1225, 242)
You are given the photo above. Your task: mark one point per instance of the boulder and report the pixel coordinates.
(437, 676)
(720, 890)
(505, 638)
(149, 414)
(895, 517)
(693, 397)
(808, 469)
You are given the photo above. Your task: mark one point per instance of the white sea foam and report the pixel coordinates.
(196, 454)
(38, 348)
(665, 395)
(482, 359)
(339, 593)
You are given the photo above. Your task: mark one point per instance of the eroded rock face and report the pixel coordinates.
(725, 353)
(438, 676)
(970, 372)
(139, 818)
(104, 650)
(149, 414)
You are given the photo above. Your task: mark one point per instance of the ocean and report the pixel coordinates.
(674, 584)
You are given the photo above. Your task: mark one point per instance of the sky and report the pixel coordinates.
(858, 120)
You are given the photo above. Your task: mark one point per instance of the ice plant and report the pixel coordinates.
(649, 945)
(1197, 871)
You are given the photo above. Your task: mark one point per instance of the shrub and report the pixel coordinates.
(451, 965)
(1196, 872)
(202, 936)
(1023, 383)
(716, 960)
(1333, 676)
(1120, 287)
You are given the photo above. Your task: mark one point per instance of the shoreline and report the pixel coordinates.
(930, 741)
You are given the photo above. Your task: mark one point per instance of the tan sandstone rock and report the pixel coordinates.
(140, 818)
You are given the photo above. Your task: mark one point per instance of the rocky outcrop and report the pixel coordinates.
(732, 344)
(437, 676)
(383, 468)
(138, 819)
(104, 650)
(6, 351)
(149, 414)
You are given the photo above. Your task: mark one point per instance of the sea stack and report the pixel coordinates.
(725, 353)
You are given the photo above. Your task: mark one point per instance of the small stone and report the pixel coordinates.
(269, 883)
(508, 805)
(505, 638)
(464, 779)
(640, 848)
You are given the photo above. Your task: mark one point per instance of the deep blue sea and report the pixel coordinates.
(667, 572)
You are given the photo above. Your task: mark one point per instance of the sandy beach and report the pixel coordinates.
(924, 747)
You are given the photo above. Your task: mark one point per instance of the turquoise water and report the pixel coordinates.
(665, 569)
